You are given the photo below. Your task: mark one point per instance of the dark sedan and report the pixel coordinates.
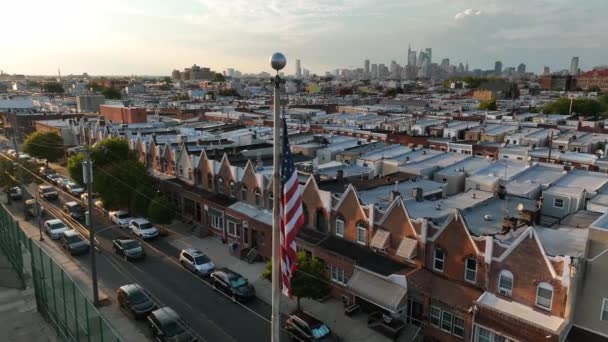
(128, 249)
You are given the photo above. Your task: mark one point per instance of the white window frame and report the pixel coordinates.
(232, 189)
(217, 221)
(503, 290)
(232, 228)
(435, 314)
(467, 270)
(437, 249)
(244, 193)
(604, 310)
(460, 325)
(258, 198)
(449, 321)
(338, 275)
(544, 286)
(361, 232)
(555, 203)
(339, 227)
(220, 185)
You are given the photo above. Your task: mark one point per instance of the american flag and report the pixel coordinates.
(292, 216)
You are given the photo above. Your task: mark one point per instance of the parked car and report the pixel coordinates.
(196, 261)
(74, 243)
(55, 228)
(47, 192)
(45, 171)
(31, 209)
(59, 179)
(166, 325)
(64, 184)
(53, 177)
(143, 228)
(232, 284)
(74, 210)
(100, 207)
(305, 327)
(129, 249)
(133, 299)
(85, 196)
(74, 189)
(120, 218)
(15, 193)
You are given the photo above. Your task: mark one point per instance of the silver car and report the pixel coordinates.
(196, 261)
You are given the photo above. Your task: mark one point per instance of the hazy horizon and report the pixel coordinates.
(138, 37)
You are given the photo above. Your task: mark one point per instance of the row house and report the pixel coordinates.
(431, 273)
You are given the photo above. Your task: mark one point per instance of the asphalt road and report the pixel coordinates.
(210, 315)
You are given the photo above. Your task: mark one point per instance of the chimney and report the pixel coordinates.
(418, 194)
(501, 191)
(394, 195)
(340, 175)
(259, 164)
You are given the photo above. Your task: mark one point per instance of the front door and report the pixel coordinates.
(415, 312)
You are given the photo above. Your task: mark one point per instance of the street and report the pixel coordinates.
(211, 315)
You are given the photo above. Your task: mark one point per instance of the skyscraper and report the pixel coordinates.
(298, 69)
(374, 71)
(521, 69)
(366, 66)
(445, 64)
(574, 66)
(498, 68)
(429, 54)
(546, 71)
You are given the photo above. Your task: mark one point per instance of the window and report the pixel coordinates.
(470, 272)
(217, 222)
(483, 335)
(505, 283)
(438, 259)
(245, 233)
(339, 228)
(544, 296)
(220, 185)
(604, 313)
(361, 234)
(181, 171)
(244, 193)
(189, 173)
(232, 228)
(232, 187)
(270, 200)
(338, 276)
(435, 316)
(320, 223)
(458, 329)
(258, 198)
(446, 321)
(558, 202)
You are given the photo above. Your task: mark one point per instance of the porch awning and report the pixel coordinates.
(378, 290)
(380, 239)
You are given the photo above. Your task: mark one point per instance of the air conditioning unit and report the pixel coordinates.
(504, 292)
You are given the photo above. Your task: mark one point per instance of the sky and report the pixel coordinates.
(153, 37)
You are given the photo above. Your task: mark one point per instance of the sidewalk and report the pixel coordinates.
(125, 327)
(19, 320)
(331, 312)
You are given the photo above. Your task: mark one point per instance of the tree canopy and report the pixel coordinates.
(488, 105)
(11, 173)
(161, 210)
(309, 281)
(219, 77)
(48, 145)
(53, 87)
(111, 93)
(586, 107)
(119, 178)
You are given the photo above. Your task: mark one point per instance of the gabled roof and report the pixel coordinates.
(455, 216)
(350, 191)
(397, 204)
(528, 233)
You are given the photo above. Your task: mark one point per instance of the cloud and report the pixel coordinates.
(467, 12)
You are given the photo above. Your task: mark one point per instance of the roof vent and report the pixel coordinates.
(488, 217)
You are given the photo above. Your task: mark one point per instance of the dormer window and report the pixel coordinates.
(220, 185)
(232, 189)
(438, 259)
(505, 283)
(209, 181)
(544, 296)
(244, 193)
(361, 234)
(339, 227)
(470, 270)
(189, 173)
(258, 198)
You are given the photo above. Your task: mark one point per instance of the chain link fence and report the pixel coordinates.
(63, 304)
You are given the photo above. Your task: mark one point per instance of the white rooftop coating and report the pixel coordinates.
(537, 175)
(468, 166)
(601, 223)
(385, 153)
(503, 169)
(414, 156)
(563, 240)
(440, 160)
(382, 194)
(523, 312)
(441, 208)
(588, 180)
(19, 103)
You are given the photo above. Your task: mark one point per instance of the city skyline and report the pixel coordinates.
(153, 37)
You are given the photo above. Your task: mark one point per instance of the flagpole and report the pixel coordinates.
(277, 61)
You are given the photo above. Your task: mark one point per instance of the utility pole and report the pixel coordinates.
(87, 171)
(277, 61)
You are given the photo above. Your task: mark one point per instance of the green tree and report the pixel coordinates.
(111, 150)
(309, 280)
(111, 93)
(579, 106)
(53, 87)
(115, 182)
(11, 173)
(488, 105)
(75, 167)
(48, 145)
(229, 92)
(219, 77)
(161, 210)
(140, 200)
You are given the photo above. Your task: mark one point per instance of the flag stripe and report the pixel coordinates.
(291, 215)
